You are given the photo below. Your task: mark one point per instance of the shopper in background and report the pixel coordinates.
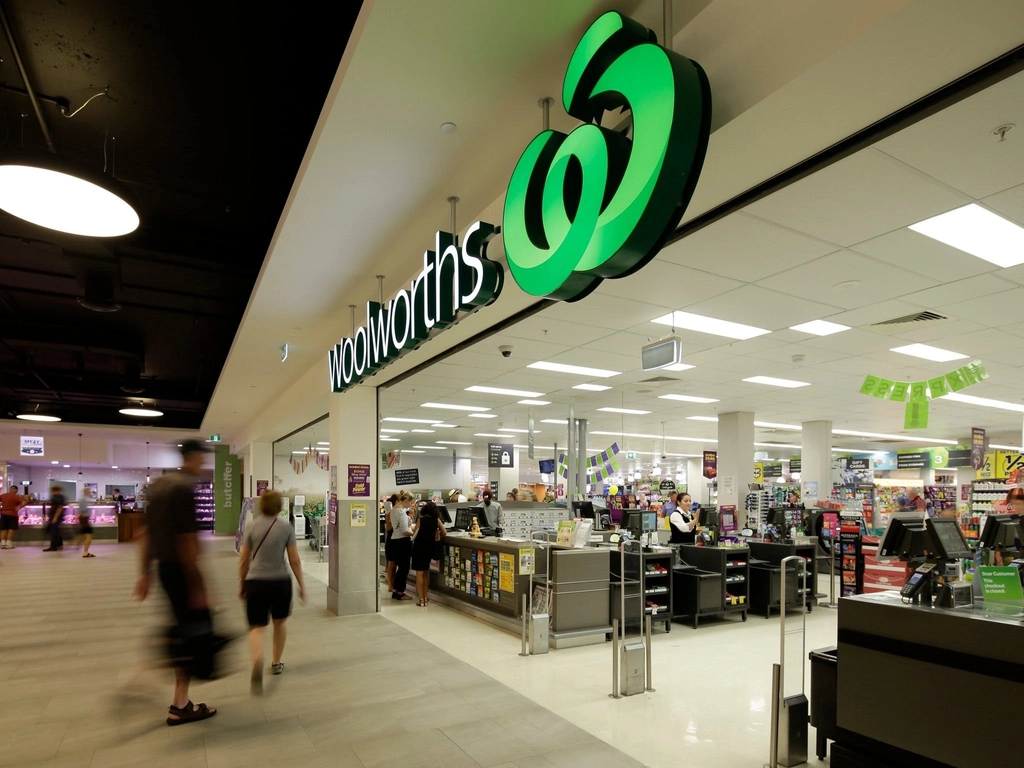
(683, 522)
(492, 510)
(669, 506)
(511, 495)
(10, 505)
(401, 544)
(389, 571)
(171, 538)
(84, 526)
(268, 549)
(1015, 501)
(55, 517)
(429, 530)
(915, 503)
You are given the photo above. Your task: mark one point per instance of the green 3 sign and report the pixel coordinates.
(595, 204)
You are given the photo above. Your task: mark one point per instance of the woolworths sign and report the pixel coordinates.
(453, 280)
(581, 207)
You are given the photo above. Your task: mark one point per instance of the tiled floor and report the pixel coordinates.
(76, 687)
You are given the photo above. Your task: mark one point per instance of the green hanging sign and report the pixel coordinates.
(227, 489)
(916, 394)
(596, 204)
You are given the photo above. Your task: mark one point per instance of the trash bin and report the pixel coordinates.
(824, 675)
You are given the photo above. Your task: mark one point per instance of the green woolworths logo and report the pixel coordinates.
(594, 204)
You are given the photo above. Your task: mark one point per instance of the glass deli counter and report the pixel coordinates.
(32, 521)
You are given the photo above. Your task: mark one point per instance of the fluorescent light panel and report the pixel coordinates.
(410, 421)
(688, 398)
(424, 431)
(431, 447)
(395, 431)
(915, 439)
(691, 322)
(534, 402)
(819, 328)
(488, 434)
(513, 429)
(502, 391)
(775, 425)
(986, 402)
(453, 407)
(446, 426)
(483, 415)
(632, 411)
(925, 352)
(599, 373)
(977, 231)
(450, 442)
(702, 418)
(678, 367)
(777, 445)
(771, 381)
(591, 387)
(410, 450)
(554, 421)
(990, 445)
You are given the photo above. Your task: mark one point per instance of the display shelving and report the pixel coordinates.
(204, 505)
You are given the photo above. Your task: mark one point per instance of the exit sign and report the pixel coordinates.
(214, 439)
(630, 455)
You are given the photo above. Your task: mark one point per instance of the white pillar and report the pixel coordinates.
(816, 461)
(259, 465)
(696, 483)
(735, 457)
(353, 555)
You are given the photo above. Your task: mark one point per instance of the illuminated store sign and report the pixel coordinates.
(596, 204)
(452, 280)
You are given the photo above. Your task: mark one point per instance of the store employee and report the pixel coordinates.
(683, 522)
(492, 509)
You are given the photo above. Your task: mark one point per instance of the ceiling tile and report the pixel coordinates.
(762, 308)
(1009, 203)
(663, 283)
(876, 280)
(856, 199)
(924, 255)
(975, 287)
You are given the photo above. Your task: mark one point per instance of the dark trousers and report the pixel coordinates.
(56, 542)
(401, 549)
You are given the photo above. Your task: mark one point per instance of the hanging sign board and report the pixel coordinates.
(666, 487)
(32, 446)
(710, 465)
(407, 477)
(977, 448)
(501, 456)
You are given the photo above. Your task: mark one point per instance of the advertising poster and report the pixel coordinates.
(358, 479)
(710, 463)
(500, 455)
(977, 448)
(32, 446)
(262, 486)
(527, 561)
(507, 575)
(407, 477)
(390, 459)
(332, 509)
(334, 478)
(357, 514)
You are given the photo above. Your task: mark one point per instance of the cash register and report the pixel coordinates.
(931, 543)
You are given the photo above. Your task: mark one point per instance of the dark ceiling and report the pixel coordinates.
(211, 106)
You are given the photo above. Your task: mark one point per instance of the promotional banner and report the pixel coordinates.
(32, 446)
(358, 480)
(977, 448)
(917, 394)
(227, 490)
(710, 464)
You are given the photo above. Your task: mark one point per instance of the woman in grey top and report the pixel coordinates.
(265, 583)
(401, 544)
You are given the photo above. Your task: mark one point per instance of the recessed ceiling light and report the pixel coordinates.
(502, 391)
(449, 127)
(410, 421)
(410, 450)
(678, 367)
(979, 232)
(451, 442)
(141, 412)
(424, 431)
(301, 453)
(37, 417)
(884, 436)
(776, 425)
(67, 466)
(983, 401)
(390, 440)
(486, 434)
(395, 431)
(771, 381)
(114, 467)
(819, 328)
(534, 402)
(702, 418)
(632, 411)
(179, 445)
(599, 373)
(688, 398)
(55, 462)
(554, 421)
(483, 415)
(431, 447)
(935, 354)
(446, 426)
(691, 322)
(453, 407)
(591, 387)
(846, 285)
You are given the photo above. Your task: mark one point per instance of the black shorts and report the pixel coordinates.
(8, 522)
(84, 526)
(263, 598)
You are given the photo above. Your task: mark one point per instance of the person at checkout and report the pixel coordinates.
(492, 510)
(683, 521)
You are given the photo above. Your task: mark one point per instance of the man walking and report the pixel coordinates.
(10, 505)
(172, 539)
(56, 517)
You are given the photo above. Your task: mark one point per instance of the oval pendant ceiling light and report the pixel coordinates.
(58, 194)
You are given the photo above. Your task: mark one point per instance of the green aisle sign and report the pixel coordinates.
(596, 204)
(1000, 583)
(227, 490)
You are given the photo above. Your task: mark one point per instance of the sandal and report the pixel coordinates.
(89, 555)
(402, 596)
(190, 713)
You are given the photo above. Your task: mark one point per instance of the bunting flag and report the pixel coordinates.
(599, 467)
(322, 460)
(916, 394)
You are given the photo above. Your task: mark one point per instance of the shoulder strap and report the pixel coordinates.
(255, 551)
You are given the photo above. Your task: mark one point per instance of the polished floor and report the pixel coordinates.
(78, 686)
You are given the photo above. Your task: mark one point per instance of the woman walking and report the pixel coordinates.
(265, 583)
(401, 544)
(390, 570)
(429, 529)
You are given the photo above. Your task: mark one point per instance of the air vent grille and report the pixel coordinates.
(920, 317)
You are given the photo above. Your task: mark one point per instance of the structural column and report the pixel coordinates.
(259, 465)
(816, 461)
(353, 529)
(735, 457)
(696, 483)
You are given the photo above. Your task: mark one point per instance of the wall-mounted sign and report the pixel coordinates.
(961, 457)
(710, 465)
(772, 469)
(358, 480)
(262, 486)
(666, 487)
(565, 231)
(32, 446)
(407, 477)
(214, 439)
(796, 465)
(390, 459)
(357, 515)
(501, 455)
(913, 460)
(452, 280)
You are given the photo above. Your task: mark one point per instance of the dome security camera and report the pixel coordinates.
(506, 350)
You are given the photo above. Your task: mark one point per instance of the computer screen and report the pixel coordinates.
(631, 519)
(464, 517)
(948, 540)
(446, 516)
(1000, 532)
(650, 521)
(546, 466)
(892, 544)
(708, 518)
(585, 509)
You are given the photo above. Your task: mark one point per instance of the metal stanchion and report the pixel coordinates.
(615, 660)
(831, 577)
(649, 687)
(773, 744)
(523, 651)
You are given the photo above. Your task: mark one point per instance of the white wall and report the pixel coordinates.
(128, 480)
(313, 481)
(435, 472)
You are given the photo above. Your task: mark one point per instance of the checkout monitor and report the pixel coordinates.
(1000, 532)
(905, 536)
(446, 517)
(708, 517)
(948, 542)
(585, 510)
